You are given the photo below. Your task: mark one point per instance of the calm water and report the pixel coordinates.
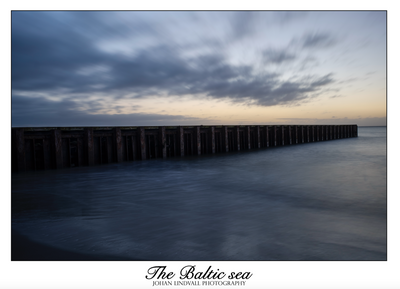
(315, 201)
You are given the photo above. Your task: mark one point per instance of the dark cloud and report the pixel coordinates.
(59, 54)
(326, 79)
(159, 70)
(278, 56)
(31, 112)
(293, 92)
(317, 40)
(46, 52)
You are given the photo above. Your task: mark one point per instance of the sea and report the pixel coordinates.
(315, 201)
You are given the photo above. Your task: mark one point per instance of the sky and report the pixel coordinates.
(150, 68)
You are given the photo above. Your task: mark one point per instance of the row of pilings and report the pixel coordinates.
(56, 148)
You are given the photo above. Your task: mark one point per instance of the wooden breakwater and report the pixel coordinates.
(56, 148)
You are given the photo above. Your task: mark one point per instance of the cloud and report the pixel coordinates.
(88, 60)
(317, 40)
(278, 56)
(246, 23)
(243, 23)
(322, 81)
(292, 92)
(160, 71)
(308, 63)
(31, 112)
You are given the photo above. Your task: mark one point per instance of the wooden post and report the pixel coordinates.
(212, 133)
(162, 142)
(181, 141)
(142, 142)
(118, 143)
(327, 132)
(57, 149)
(237, 137)
(290, 134)
(88, 146)
(225, 136)
(20, 148)
(258, 136)
(247, 137)
(312, 133)
(197, 140)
